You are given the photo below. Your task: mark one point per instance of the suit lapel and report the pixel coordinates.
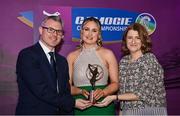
(45, 66)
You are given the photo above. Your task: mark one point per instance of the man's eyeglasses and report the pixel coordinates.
(51, 30)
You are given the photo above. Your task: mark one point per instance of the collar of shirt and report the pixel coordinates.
(46, 50)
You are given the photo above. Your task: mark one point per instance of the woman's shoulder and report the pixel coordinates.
(105, 51)
(106, 54)
(150, 57)
(151, 62)
(124, 58)
(74, 54)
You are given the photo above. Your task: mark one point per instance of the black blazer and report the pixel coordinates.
(37, 87)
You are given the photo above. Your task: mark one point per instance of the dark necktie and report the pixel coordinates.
(53, 66)
(52, 62)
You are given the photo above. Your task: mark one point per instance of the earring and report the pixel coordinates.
(81, 42)
(99, 42)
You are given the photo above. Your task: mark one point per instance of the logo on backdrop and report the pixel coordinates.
(113, 22)
(148, 21)
(27, 18)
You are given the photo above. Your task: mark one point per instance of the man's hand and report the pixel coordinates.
(82, 104)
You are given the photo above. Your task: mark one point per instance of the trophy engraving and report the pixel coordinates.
(94, 73)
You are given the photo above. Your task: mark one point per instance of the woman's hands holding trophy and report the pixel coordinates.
(98, 93)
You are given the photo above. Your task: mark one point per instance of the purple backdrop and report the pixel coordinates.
(15, 35)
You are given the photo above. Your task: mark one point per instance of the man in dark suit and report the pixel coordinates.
(42, 74)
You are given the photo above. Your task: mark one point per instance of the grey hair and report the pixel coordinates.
(55, 18)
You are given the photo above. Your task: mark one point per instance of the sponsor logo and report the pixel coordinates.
(148, 21)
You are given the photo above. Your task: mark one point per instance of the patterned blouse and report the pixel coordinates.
(143, 77)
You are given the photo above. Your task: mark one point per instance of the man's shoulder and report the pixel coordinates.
(33, 49)
(61, 57)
